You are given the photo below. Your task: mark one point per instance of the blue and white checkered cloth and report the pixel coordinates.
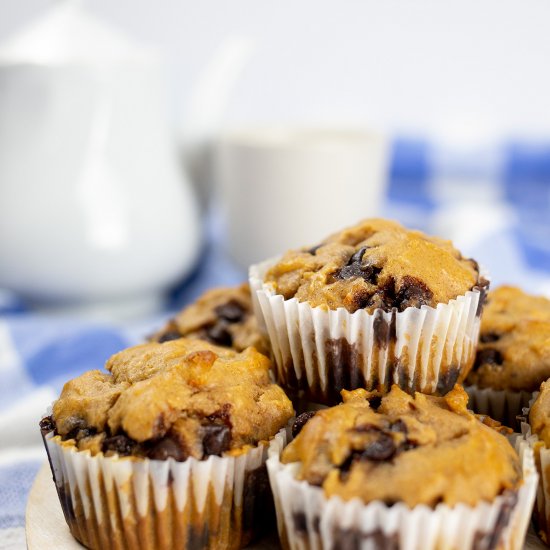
(38, 354)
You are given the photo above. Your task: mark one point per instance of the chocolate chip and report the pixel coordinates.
(488, 337)
(168, 336)
(75, 424)
(346, 465)
(375, 401)
(384, 297)
(358, 256)
(489, 356)
(412, 293)
(314, 249)
(119, 444)
(350, 271)
(370, 273)
(474, 264)
(354, 268)
(301, 421)
(382, 448)
(86, 432)
(344, 370)
(483, 285)
(383, 331)
(223, 414)
(360, 299)
(47, 425)
(399, 426)
(232, 312)
(167, 447)
(258, 511)
(218, 334)
(448, 377)
(216, 440)
(300, 522)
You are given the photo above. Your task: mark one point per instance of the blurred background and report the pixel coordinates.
(150, 150)
(457, 92)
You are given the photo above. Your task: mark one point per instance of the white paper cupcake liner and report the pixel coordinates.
(124, 502)
(542, 461)
(502, 405)
(318, 352)
(307, 520)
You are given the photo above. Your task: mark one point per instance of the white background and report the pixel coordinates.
(447, 68)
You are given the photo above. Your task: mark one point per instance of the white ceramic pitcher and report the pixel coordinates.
(94, 208)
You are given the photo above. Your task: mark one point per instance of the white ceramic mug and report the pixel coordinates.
(282, 188)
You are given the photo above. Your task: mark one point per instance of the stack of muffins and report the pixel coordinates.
(371, 333)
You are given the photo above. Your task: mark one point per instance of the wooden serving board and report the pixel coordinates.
(46, 528)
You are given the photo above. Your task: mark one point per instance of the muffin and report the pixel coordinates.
(221, 316)
(168, 448)
(513, 356)
(370, 306)
(536, 430)
(408, 471)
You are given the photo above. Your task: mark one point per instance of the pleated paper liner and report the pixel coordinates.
(541, 513)
(502, 405)
(131, 503)
(319, 352)
(307, 520)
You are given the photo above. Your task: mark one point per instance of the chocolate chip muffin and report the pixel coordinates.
(181, 419)
(373, 305)
(537, 433)
(221, 316)
(513, 355)
(514, 342)
(413, 449)
(375, 264)
(402, 471)
(539, 415)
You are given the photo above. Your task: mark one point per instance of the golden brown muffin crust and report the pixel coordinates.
(514, 342)
(375, 264)
(416, 450)
(539, 415)
(221, 316)
(181, 398)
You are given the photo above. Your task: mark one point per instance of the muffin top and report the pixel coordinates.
(184, 398)
(221, 316)
(514, 342)
(374, 264)
(416, 450)
(539, 415)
